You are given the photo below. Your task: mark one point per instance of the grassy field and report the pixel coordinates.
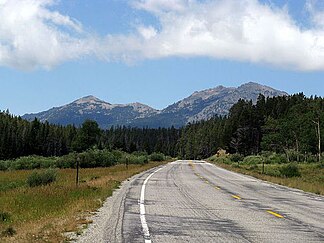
(311, 177)
(41, 214)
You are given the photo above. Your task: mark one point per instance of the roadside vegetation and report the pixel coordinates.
(39, 205)
(90, 158)
(276, 124)
(307, 175)
(277, 139)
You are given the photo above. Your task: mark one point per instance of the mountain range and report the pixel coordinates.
(201, 105)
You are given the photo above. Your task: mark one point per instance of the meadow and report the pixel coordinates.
(43, 213)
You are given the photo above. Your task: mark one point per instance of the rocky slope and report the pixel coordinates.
(198, 106)
(90, 107)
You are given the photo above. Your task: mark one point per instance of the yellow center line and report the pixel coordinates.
(206, 181)
(237, 197)
(275, 214)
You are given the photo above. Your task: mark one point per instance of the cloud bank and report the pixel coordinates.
(32, 35)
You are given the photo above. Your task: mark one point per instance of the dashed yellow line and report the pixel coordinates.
(191, 164)
(201, 177)
(234, 196)
(275, 214)
(237, 197)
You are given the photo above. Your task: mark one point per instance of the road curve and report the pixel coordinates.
(194, 201)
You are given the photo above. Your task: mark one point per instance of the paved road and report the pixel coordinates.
(193, 201)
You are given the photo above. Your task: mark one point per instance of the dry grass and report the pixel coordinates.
(41, 214)
(311, 180)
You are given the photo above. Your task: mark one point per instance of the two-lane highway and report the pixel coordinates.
(194, 201)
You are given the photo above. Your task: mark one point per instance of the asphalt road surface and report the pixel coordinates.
(194, 201)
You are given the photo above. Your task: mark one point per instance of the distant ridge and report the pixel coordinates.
(90, 107)
(201, 105)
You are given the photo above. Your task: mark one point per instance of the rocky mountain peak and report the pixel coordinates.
(88, 99)
(200, 105)
(256, 87)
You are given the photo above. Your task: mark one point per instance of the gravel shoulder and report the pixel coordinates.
(107, 221)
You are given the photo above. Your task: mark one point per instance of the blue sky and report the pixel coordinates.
(155, 51)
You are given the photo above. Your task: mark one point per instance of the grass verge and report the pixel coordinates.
(311, 177)
(43, 213)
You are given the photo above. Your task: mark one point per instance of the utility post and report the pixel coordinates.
(318, 132)
(262, 165)
(127, 162)
(77, 170)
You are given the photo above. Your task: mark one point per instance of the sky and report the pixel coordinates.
(154, 51)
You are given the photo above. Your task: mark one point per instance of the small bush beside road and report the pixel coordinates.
(290, 170)
(41, 178)
(157, 157)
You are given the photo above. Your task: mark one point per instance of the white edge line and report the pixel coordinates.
(146, 231)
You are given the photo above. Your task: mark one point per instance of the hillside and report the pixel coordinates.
(201, 105)
(90, 107)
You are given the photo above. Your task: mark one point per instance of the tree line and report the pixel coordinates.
(19, 137)
(288, 124)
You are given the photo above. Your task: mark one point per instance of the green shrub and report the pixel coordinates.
(89, 159)
(222, 159)
(320, 165)
(312, 158)
(4, 165)
(107, 159)
(236, 157)
(10, 231)
(140, 153)
(32, 162)
(41, 178)
(66, 161)
(157, 157)
(132, 159)
(290, 170)
(118, 154)
(252, 167)
(253, 160)
(266, 154)
(272, 170)
(4, 217)
(275, 158)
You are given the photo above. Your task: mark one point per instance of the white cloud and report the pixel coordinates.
(147, 32)
(316, 13)
(159, 6)
(244, 30)
(32, 35)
